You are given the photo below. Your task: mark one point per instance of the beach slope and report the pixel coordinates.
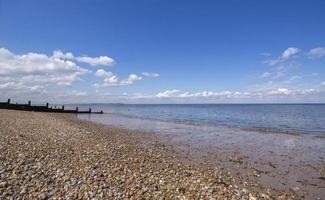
(48, 155)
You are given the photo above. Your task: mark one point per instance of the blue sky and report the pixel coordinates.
(162, 51)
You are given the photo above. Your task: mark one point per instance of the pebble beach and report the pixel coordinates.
(57, 156)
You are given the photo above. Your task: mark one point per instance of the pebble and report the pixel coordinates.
(57, 156)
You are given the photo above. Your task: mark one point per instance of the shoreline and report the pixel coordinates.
(263, 130)
(47, 155)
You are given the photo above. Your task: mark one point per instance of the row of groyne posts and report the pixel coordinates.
(46, 108)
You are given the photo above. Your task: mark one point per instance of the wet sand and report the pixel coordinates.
(48, 156)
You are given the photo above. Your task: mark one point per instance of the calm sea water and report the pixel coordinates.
(305, 118)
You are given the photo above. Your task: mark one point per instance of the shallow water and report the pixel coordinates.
(211, 134)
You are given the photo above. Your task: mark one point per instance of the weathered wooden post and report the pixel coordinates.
(62, 107)
(77, 109)
(29, 103)
(47, 105)
(8, 101)
(89, 110)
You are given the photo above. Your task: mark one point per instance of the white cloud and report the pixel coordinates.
(131, 79)
(34, 63)
(276, 94)
(293, 92)
(104, 74)
(167, 93)
(93, 61)
(289, 52)
(280, 91)
(26, 72)
(101, 60)
(11, 86)
(316, 52)
(61, 55)
(59, 79)
(41, 77)
(204, 94)
(286, 54)
(111, 80)
(34, 68)
(224, 95)
(37, 76)
(148, 74)
(281, 70)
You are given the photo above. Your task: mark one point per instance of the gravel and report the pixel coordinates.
(56, 156)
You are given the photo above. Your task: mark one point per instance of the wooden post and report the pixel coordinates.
(47, 105)
(8, 101)
(29, 103)
(89, 110)
(62, 107)
(77, 109)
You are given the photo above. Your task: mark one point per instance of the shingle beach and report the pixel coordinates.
(57, 156)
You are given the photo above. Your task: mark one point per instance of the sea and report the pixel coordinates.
(293, 118)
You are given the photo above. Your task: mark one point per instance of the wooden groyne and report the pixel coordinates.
(45, 108)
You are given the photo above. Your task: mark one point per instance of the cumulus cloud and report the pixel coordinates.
(101, 60)
(316, 52)
(102, 73)
(61, 55)
(131, 79)
(34, 63)
(111, 80)
(25, 71)
(148, 74)
(93, 61)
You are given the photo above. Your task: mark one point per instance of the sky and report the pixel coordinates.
(162, 51)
